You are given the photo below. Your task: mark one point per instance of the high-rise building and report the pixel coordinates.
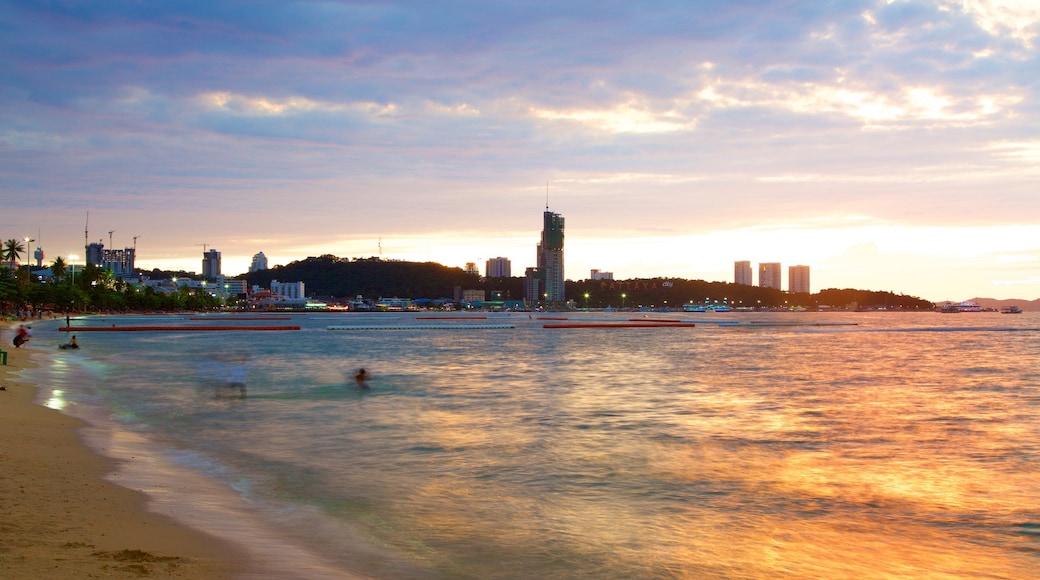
(120, 262)
(533, 278)
(259, 262)
(498, 268)
(742, 273)
(769, 275)
(545, 283)
(211, 265)
(798, 279)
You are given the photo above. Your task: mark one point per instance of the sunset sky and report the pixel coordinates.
(887, 145)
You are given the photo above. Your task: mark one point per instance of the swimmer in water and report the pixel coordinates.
(361, 378)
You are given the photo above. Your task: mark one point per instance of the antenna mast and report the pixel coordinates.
(546, 195)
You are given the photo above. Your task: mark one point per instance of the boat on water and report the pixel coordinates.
(1011, 310)
(954, 307)
(692, 307)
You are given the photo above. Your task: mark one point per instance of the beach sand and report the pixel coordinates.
(60, 518)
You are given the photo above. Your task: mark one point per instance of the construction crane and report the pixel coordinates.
(135, 243)
(110, 232)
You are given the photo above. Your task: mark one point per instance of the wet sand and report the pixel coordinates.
(60, 518)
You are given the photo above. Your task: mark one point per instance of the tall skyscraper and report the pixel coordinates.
(545, 283)
(211, 265)
(798, 279)
(551, 257)
(742, 273)
(259, 262)
(498, 268)
(769, 275)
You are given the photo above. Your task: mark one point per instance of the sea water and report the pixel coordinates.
(893, 445)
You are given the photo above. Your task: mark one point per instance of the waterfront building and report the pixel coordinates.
(742, 273)
(769, 275)
(291, 291)
(211, 265)
(798, 279)
(235, 287)
(498, 268)
(259, 262)
(473, 295)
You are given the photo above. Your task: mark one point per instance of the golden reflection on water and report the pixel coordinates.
(884, 464)
(720, 453)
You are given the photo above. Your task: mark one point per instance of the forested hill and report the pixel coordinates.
(373, 277)
(370, 277)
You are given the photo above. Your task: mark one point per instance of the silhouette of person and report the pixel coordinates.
(361, 378)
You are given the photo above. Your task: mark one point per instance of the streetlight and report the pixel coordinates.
(586, 301)
(623, 300)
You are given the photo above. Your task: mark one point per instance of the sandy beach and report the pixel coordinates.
(60, 518)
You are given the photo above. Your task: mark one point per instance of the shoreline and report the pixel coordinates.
(62, 517)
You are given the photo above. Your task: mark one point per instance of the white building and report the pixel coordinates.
(291, 291)
(259, 262)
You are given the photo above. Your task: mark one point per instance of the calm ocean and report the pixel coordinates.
(906, 445)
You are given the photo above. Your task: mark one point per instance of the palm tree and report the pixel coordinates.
(12, 250)
(58, 268)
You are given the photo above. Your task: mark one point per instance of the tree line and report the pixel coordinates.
(330, 276)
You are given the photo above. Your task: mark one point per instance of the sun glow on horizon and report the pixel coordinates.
(843, 252)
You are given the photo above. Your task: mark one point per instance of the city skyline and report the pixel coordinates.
(886, 145)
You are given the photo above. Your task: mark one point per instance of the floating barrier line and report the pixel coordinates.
(240, 318)
(621, 325)
(169, 328)
(425, 327)
(451, 317)
(768, 323)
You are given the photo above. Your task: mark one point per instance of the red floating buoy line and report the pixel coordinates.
(169, 328)
(621, 325)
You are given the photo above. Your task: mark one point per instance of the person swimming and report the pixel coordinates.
(71, 344)
(361, 378)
